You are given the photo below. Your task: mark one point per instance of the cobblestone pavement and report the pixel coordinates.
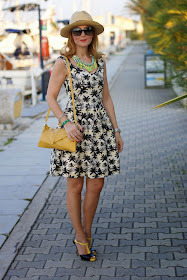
(140, 226)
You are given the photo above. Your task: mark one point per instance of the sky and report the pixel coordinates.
(65, 8)
(97, 6)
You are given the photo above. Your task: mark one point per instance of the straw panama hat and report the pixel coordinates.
(81, 18)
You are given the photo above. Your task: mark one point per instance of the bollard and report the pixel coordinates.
(11, 105)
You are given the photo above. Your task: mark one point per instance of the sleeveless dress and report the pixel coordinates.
(96, 156)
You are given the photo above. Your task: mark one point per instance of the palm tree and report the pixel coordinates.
(165, 30)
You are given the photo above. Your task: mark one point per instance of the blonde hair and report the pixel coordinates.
(70, 49)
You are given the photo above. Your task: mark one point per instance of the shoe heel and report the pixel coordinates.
(89, 256)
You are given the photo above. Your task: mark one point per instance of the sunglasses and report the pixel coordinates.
(88, 31)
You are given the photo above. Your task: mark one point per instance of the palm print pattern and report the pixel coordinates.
(96, 156)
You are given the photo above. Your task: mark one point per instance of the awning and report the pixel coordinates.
(23, 7)
(18, 31)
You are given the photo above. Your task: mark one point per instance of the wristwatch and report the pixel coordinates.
(117, 130)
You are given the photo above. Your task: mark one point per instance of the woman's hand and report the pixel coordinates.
(74, 131)
(119, 142)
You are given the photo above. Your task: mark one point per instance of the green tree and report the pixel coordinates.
(165, 28)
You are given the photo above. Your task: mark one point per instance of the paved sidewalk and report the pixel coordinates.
(24, 167)
(140, 226)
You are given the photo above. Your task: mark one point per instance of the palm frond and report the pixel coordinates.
(171, 101)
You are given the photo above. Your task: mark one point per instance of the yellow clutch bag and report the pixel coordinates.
(57, 138)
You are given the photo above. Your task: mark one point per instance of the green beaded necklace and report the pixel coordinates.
(87, 66)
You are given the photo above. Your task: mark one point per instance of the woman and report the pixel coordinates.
(96, 132)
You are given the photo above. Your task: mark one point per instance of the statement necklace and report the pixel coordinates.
(87, 66)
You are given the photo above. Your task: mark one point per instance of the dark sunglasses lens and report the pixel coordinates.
(88, 31)
(77, 32)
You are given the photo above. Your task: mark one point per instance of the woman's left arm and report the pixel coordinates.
(109, 106)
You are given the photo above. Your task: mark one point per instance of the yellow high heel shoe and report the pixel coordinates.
(89, 256)
(93, 251)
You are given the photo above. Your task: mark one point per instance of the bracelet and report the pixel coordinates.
(117, 130)
(61, 116)
(65, 122)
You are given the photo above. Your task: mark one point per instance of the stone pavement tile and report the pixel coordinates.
(118, 263)
(63, 236)
(107, 230)
(61, 263)
(145, 278)
(111, 249)
(137, 236)
(173, 236)
(140, 242)
(99, 272)
(112, 236)
(43, 236)
(145, 225)
(59, 231)
(96, 265)
(177, 242)
(98, 242)
(179, 256)
(107, 256)
(71, 271)
(128, 215)
(178, 229)
(33, 244)
(133, 230)
(17, 272)
(167, 214)
(145, 263)
(151, 242)
(138, 249)
(38, 231)
(60, 243)
(129, 256)
(173, 278)
(57, 249)
(53, 278)
(2, 239)
(130, 271)
(28, 258)
(181, 271)
(45, 257)
(170, 271)
(159, 256)
(80, 278)
(24, 278)
(28, 264)
(166, 249)
(30, 250)
(114, 278)
(175, 263)
(158, 230)
(41, 272)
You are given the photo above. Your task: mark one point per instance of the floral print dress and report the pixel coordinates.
(96, 156)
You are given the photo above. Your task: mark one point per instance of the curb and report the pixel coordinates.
(20, 231)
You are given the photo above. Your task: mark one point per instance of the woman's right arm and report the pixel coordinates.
(58, 76)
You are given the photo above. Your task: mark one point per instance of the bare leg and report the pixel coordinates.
(93, 189)
(73, 202)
